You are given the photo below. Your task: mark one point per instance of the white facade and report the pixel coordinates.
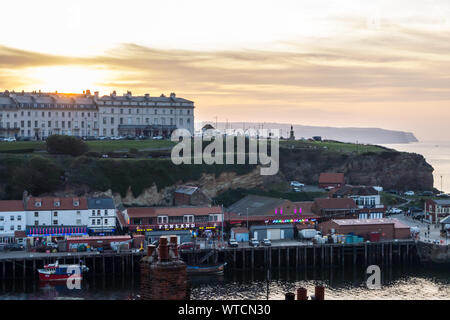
(39, 115)
(10, 222)
(57, 218)
(101, 219)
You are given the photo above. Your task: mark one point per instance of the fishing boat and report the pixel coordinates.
(56, 271)
(206, 269)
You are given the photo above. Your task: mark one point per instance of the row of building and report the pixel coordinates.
(38, 115)
(349, 209)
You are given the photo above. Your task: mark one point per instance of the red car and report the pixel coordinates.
(188, 246)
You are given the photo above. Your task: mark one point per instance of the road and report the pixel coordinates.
(423, 226)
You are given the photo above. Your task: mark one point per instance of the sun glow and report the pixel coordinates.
(68, 79)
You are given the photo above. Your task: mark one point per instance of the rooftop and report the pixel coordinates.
(359, 222)
(331, 177)
(11, 205)
(349, 190)
(142, 212)
(51, 203)
(100, 203)
(335, 203)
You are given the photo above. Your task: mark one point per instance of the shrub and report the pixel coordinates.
(60, 144)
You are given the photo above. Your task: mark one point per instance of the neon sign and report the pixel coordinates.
(293, 220)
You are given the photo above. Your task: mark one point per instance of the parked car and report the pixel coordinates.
(253, 243)
(297, 190)
(188, 246)
(157, 138)
(409, 193)
(266, 243)
(297, 184)
(233, 243)
(14, 247)
(395, 211)
(10, 139)
(427, 193)
(443, 195)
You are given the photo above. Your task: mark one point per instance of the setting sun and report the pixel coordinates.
(67, 79)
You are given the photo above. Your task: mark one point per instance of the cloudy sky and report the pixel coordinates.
(321, 62)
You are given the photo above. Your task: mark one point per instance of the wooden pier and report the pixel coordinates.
(242, 258)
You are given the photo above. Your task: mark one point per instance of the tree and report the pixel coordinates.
(60, 144)
(37, 176)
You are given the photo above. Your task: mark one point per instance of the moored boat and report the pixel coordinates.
(56, 271)
(206, 269)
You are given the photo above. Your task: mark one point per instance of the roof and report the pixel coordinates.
(349, 190)
(257, 205)
(100, 203)
(329, 177)
(239, 230)
(100, 238)
(11, 205)
(121, 218)
(446, 220)
(142, 212)
(442, 202)
(335, 203)
(186, 189)
(359, 222)
(49, 203)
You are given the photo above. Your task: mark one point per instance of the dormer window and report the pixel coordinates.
(76, 203)
(57, 203)
(38, 204)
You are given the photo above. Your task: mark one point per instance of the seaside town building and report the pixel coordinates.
(55, 218)
(182, 221)
(331, 180)
(271, 218)
(38, 115)
(367, 199)
(369, 229)
(190, 196)
(436, 210)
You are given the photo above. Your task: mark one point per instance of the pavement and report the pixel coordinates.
(435, 234)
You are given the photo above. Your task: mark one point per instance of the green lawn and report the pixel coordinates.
(333, 146)
(99, 146)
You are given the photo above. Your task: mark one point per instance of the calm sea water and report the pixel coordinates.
(409, 283)
(437, 154)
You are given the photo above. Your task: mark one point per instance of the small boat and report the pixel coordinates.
(206, 269)
(56, 271)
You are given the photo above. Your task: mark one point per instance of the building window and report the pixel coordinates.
(163, 219)
(106, 212)
(106, 221)
(55, 214)
(93, 222)
(36, 223)
(55, 222)
(19, 227)
(78, 221)
(19, 218)
(98, 212)
(12, 228)
(12, 218)
(36, 214)
(99, 221)
(188, 218)
(2, 218)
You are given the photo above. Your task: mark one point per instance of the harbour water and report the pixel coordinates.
(417, 282)
(437, 153)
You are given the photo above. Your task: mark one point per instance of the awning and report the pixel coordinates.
(55, 231)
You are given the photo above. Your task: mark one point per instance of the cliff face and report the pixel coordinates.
(209, 183)
(391, 170)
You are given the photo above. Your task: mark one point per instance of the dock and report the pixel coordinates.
(25, 264)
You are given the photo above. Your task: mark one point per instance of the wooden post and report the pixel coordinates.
(4, 270)
(343, 255)
(24, 269)
(287, 257)
(382, 253)
(279, 257)
(104, 266)
(234, 258)
(331, 255)
(93, 263)
(14, 268)
(322, 255)
(34, 265)
(270, 258)
(365, 254)
(305, 252)
(253, 258)
(354, 255)
(243, 259)
(123, 264)
(132, 263)
(314, 256)
(297, 257)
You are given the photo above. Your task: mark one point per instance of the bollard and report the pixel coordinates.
(302, 294)
(289, 296)
(163, 249)
(319, 293)
(150, 249)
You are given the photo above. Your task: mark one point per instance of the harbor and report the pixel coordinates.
(297, 257)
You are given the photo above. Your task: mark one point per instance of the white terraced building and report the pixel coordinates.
(38, 115)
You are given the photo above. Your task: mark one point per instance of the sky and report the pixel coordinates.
(330, 63)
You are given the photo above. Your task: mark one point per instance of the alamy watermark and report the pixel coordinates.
(374, 280)
(74, 280)
(234, 142)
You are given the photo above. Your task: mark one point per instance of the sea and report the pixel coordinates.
(414, 282)
(437, 153)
